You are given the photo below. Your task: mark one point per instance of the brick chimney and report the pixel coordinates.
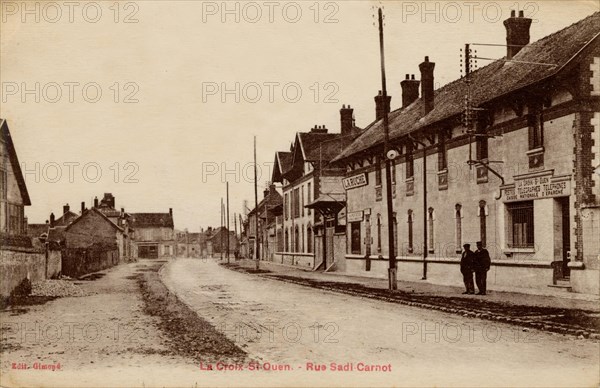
(52, 219)
(318, 129)
(426, 68)
(66, 208)
(410, 90)
(517, 33)
(95, 201)
(379, 105)
(266, 192)
(346, 119)
(171, 211)
(82, 207)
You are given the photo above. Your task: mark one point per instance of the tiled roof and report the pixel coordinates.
(36, 230)
(285, 158)
(488, 83)
(56, 234)
(272, 200)
(151, 220)
(95, 210)
(66, 218)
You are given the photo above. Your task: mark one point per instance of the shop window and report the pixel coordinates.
(520, 225)
(355, 244)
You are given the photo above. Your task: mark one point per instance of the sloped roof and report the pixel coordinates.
(56, 234)
(272, 200)
(14, 161)
(66, 218)
(151, 220)
(488, 83)
(36, 230)
(88, 211)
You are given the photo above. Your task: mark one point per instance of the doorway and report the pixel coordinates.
(566, 236)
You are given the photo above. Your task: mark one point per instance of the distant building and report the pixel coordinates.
(190, 244)
(154, 235)
(270, 238)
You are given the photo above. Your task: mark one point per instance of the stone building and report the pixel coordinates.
(516, 172)
(312, 234)
(267, 212)
(154, 235)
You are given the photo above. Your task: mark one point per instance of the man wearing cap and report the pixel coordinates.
(466, 268)
(482, 266)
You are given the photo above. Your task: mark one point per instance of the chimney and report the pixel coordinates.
(52, 220)
(517, 33)
(66, 208)
(346, 119)
(319, 129)
(426, 68)
(171, 211)
(379, 105)
(95, 201)
(82, 207)
(410, 90)
(265, 192)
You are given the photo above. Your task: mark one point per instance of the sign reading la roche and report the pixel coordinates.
(355, 181)
(537, 188)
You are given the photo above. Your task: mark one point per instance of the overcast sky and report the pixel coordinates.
(164, 128)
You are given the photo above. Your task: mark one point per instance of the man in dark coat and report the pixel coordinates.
(466, 268)
(482, 266)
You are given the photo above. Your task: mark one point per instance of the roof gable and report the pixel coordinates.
(14, 161)
(87, 214)
(151, 220)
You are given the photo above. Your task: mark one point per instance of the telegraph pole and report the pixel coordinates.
(257, 251)
(392, 270)
(227, 186)
(221, 228)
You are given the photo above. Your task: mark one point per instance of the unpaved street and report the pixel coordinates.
(290, 325)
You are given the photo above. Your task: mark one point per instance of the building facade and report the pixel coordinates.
(506, 156)
(154, 235)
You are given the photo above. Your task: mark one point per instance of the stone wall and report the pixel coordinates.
(17, 264)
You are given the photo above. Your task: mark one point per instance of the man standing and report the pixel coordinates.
(482, 266)
(466, 268)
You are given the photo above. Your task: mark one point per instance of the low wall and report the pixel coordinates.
(17, 264)
(304, 260)
(82, 261)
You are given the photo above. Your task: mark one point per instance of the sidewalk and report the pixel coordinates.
(524, 297)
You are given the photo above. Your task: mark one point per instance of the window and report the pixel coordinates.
(302, 200)
(410, 163)
(442, 153)
(308, 196)
(296, 239)
(3, 184)
(378, 172)
(535, 122)
(410, 231)
(286, 207)
(482, 222)
(287, 239)
(520, 225)
(458, 227)
(379, 233)
(355, 245)
(481, 146)
(296, 203)
(430, 219)
(309, 238)
(279, 241)
(302, 240)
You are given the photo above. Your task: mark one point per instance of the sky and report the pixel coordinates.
(158, 102)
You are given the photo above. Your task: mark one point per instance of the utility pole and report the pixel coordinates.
(392, 275)
(221, 231)
(227, 185)
(257, 251)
